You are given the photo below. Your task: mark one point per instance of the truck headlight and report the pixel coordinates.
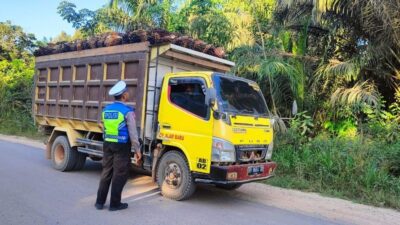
(270, 150)
(222, 151)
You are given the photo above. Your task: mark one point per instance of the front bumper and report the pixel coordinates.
(237, 174)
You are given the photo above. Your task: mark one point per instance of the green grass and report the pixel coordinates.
(21, 127)
(380, 199)
(363, 170)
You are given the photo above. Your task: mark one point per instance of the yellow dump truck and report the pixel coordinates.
(196, 123)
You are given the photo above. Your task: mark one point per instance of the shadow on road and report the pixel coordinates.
(92, 166)
(205, 194)
(210, 194)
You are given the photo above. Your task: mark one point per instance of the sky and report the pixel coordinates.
(40, 17)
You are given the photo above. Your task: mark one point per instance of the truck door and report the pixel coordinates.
(185, 121)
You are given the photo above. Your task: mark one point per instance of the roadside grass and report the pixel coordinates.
(23, 127)
(360, 169)
(380, 199)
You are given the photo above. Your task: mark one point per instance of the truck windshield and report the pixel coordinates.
(239, 96)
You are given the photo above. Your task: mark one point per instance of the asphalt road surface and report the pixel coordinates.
(32, 192)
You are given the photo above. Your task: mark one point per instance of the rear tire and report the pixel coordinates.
(80, 160)
(174, 177)
(63, 157)
(229, 187)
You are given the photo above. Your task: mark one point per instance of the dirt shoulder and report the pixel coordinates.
(22, 140)
(339, 210)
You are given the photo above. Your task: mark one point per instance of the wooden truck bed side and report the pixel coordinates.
(71, 88)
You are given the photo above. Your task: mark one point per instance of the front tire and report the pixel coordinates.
(63, 157)
(174, 177)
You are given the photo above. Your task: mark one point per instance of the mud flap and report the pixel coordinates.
(48, 150)
(156, 154)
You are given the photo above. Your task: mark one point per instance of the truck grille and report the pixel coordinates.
(250, 153)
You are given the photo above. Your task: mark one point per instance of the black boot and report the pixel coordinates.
(119, 207)
(99, 206)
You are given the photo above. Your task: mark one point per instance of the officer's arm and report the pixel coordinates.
(130, 121)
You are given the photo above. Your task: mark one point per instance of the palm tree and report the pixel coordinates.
(140, 14)
(359, 41)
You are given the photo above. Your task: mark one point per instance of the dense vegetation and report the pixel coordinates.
(16, 80)
(364, 167)
(336, 61)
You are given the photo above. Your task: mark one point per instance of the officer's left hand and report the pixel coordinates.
(138, 155)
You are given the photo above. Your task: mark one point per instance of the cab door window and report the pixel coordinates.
(189, 94)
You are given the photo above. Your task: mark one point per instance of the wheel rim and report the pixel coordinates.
(173, 175)
(59, 154)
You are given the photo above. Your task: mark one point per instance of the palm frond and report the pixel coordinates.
(247, 57)
(364, 92)
(334, 71)
(394, 68)
(376, 18)
(276, 67)
(296, 10)
(287, 82)
(283, 94)
(279, 125)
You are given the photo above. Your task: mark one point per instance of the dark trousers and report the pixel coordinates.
(116, 161)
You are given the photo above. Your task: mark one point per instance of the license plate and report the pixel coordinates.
(254, 170)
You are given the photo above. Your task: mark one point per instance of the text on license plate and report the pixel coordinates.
(254, 170)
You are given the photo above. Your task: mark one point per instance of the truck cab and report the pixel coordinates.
(220, 123)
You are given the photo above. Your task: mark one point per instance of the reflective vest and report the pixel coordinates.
(115, 128)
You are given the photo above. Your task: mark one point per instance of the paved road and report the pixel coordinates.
(31, 192)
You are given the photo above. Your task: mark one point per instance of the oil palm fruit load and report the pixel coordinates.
(154, 37)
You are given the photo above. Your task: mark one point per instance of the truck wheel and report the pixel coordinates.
(228, 186)
(63, 156)
(80, 160)
(174, 177)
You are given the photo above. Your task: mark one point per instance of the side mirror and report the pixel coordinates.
(294, 108)
(211, 97)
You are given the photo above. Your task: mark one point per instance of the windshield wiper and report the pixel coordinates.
(252, 113)
(246, 111)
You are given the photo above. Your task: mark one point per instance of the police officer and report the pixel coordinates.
(120, 136)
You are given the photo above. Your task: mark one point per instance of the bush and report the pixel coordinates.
(16, 81)
(360, 168)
